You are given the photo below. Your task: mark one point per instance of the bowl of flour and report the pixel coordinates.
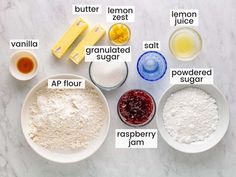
(192, 119)
(65, 125)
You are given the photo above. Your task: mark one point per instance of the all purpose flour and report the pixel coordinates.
(190, 115)
(66, 119)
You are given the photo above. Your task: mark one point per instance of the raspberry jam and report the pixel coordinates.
(136, 107)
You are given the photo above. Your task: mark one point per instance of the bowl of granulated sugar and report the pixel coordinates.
(192, 119)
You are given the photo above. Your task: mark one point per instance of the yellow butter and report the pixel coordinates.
(78, 26)
(90, 39)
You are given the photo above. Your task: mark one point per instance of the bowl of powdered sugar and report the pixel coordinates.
(192, 119)
(65, 125)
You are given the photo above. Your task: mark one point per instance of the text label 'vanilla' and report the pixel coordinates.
(24, 44)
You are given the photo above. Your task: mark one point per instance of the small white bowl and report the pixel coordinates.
(13, 65)
(214, 138)
(63, 157)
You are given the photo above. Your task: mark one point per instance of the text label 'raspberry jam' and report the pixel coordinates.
(136, 108)
(136, 138)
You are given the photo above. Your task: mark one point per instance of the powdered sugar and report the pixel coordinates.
(66, 119)
(190, 115)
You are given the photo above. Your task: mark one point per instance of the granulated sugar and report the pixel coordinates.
(190, 115)
(66, 119)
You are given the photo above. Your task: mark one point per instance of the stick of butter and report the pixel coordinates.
(90, 39)
(78, 26)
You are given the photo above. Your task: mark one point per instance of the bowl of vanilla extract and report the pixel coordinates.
(23, 65)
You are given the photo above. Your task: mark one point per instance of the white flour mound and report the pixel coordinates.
(190, 115)
(66, 119)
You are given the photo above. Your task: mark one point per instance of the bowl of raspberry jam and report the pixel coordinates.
(136, 108)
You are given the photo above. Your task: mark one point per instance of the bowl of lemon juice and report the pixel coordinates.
(185, 44)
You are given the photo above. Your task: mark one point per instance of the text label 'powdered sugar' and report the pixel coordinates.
(184, 17)
(108, 54)
(136, 138)
(191, 76)
(66, 83)
(86, 9)
(24, 44)
(120, 13)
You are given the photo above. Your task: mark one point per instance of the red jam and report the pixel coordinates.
(136, 107)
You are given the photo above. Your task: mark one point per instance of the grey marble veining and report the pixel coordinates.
(46, 20)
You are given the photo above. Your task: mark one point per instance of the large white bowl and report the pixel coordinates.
(214, 138)
(63, 157)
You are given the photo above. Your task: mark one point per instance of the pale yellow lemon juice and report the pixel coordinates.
(185, 44)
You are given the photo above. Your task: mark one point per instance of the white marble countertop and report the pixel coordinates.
(46, 20)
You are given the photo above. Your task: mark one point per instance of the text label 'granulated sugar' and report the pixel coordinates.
(66, 83)
(191, 76)
(108, 53)
(136, 138)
